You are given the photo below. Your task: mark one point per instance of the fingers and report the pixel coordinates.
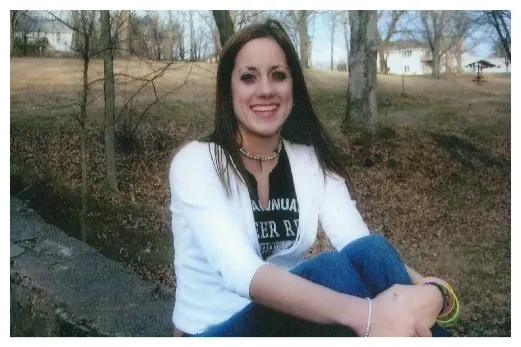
(423, 331)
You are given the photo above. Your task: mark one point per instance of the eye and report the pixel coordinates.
(247, 77)
(279, 75)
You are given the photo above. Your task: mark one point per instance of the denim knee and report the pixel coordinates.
(378, 262)
(374, 242)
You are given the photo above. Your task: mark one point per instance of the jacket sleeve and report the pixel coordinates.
(338, 214)
(201, 199)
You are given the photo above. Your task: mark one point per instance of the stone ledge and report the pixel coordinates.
(61, 286)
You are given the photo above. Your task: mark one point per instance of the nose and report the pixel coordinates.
(265, 88)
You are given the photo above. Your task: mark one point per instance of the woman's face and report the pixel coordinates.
(262, 88)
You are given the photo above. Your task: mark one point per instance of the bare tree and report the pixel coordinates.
(387, 21)
(344, 20)
(24, 22)
(224, 24)
(434, 24)
(76, 36)
(179, 36)
(245, 17)
(361, 92)
(111, 180)
(461, 26)
(500, 20)
(123, 33)
(441, 31)
(15, 15)
(300, 20)
(157, 34)
(193, 43)
(83, 25)
(498, 50)
(213, 32)
(148, 35)
(169, 49)
(332, 19)
(86, 31)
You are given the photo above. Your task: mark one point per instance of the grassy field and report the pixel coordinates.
(439, 186)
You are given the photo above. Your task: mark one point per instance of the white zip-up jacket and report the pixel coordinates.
(215, 241)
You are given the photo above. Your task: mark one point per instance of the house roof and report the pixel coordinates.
(32, 24)
(406, 44)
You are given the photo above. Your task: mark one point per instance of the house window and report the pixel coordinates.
(407, 53)
(58, 38)
(406, 68)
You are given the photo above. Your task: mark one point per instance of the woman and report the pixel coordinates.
(246, 203)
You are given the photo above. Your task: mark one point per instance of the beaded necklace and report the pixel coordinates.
(260, 159)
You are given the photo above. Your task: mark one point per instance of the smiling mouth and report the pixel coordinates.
(264, 108)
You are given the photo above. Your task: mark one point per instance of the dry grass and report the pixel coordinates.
(438, 186)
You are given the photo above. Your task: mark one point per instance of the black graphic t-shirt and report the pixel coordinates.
(277, 225)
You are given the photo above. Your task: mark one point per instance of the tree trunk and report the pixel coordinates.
(361, 92)
(83, 147)
(13, 27)
(192, 38)
(124, 33)
(459, 54)
(111, 181)
(233, 16)
(435, 63)
(332, 52)
(333, 22)
(224, 24)
(345, 24)
(383, 61)
(170, 37)
(503, 34)
(182, 37)
(87, 26)
(305, 42)
(216, 43)
(25, 43)
(76, 35)
(156, 35)
(383, 44)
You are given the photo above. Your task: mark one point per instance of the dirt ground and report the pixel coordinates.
(438, 182)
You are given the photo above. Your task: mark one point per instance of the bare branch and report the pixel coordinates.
(147, 81)
(160, 98)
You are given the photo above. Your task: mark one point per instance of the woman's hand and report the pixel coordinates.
(391, 317)
(406, 310)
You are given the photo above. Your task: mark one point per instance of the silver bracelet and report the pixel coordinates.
(369, 314)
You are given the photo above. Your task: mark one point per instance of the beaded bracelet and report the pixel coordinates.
(369, 315)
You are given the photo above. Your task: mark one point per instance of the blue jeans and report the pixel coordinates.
(364, 268)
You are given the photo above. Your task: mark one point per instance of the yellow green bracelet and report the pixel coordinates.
(450, 311)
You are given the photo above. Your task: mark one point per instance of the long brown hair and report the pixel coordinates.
(302, 125)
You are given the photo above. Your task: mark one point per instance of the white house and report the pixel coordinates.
(58, 35)
(410, 58)
(407, 57)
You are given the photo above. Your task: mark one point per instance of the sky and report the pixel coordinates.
(321, 45)
(321, 41)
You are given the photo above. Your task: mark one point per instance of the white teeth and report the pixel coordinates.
(264, 108)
